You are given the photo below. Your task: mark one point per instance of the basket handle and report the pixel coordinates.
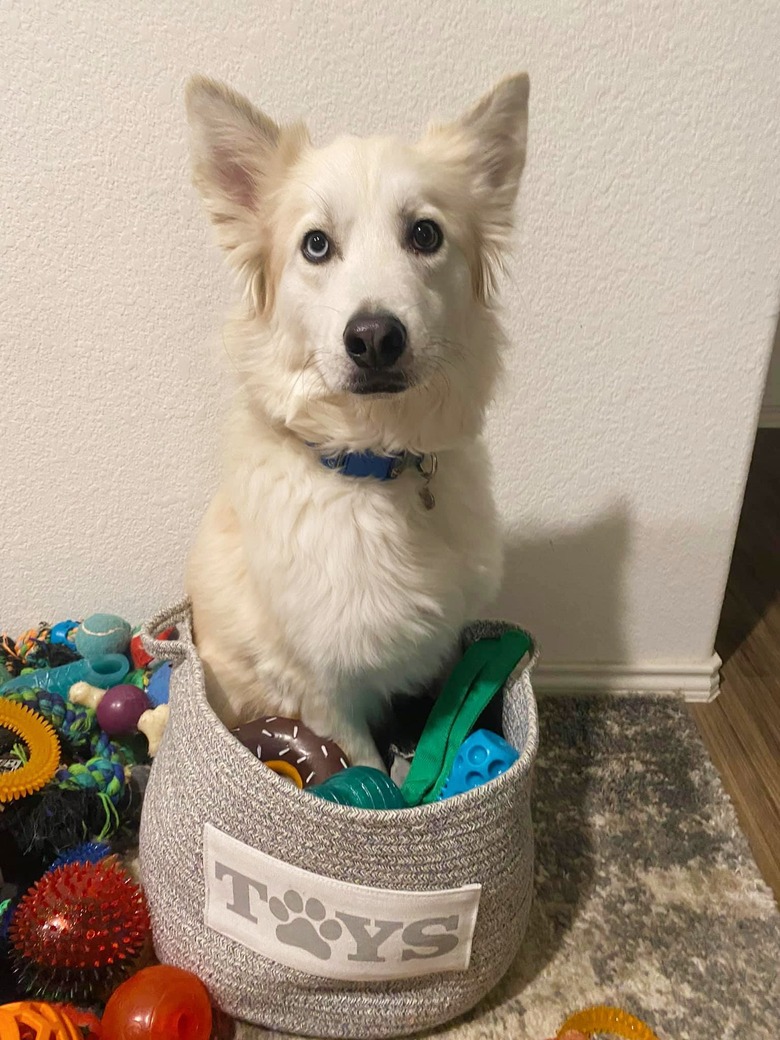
(174, 650)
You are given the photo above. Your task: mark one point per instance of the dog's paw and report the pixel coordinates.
(366, 757)
(356, 743)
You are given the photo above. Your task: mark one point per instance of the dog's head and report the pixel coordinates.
(368, 264)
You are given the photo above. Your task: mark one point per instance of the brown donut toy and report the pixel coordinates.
(291, 749)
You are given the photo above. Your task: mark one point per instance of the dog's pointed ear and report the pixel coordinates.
(237, 151)
(232, 146)
(488, 145)
(498, 127)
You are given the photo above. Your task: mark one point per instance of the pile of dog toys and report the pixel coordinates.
(82, 711)
(156, 1003)
(82, 708)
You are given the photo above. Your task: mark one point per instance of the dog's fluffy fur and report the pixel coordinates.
(317, 595)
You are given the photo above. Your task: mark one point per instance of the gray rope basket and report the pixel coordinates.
(261, 890)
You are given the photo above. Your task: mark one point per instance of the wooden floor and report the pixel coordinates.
(742, 727)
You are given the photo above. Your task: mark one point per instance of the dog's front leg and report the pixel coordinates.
(352, 735)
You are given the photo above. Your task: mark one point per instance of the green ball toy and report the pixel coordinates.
(102, 634)
(362, 787)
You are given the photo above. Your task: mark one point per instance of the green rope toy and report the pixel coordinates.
(103, 771)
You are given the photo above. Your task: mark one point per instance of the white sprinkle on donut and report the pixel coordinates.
(275, 737)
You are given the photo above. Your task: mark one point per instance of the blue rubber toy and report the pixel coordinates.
(158, 689)
(483, 756)
(87, 852)
(60, 633)
(102, 672)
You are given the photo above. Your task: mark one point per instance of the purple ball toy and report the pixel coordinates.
(120, 709)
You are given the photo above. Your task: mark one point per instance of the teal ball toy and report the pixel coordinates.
(361, 787)
(102, 634)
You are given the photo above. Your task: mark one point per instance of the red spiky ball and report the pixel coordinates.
(79, 931)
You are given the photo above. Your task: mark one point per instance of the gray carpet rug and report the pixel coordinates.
(647, 895)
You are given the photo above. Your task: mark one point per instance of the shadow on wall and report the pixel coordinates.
(566, 588)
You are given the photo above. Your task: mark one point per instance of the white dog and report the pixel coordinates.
(354, 532)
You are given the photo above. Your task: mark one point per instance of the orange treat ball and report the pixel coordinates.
(34, 1020)
(83, 1020)
(159, 1003)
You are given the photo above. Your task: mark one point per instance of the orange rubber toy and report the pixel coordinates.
(159, 1003)
(37, 1021)
(602, 1019)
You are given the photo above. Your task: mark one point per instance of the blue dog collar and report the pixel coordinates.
(380, 467)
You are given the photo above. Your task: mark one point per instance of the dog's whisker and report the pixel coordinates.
(229, 356)
(300, 379)
(325, 204)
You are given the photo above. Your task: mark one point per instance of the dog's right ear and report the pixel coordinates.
(237, 153)
(233, 147)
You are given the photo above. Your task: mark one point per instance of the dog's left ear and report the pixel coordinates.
(498, 128)
(489, 141)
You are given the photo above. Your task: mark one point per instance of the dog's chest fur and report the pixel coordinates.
(355, 589)
(374, 578)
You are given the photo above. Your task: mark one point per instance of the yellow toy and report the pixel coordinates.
(602, 1019)
(38, 1021)
(42, 745)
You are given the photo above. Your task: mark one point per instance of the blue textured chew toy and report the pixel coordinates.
(482, 757)
(87, 852)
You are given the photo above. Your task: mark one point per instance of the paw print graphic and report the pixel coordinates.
(304, 925)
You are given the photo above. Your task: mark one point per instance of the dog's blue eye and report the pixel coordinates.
(315, 246)
(425, 236)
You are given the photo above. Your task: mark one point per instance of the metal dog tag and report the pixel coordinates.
(427, 497)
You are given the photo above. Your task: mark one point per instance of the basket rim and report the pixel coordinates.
(178, 651)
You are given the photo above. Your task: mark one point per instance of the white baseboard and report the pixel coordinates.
(696, 682)
(770, 416)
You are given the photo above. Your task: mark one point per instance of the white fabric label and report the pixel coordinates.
(331, 928)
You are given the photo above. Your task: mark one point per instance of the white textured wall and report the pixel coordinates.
(641, 302)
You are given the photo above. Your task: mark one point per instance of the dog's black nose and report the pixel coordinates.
(374, 340)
